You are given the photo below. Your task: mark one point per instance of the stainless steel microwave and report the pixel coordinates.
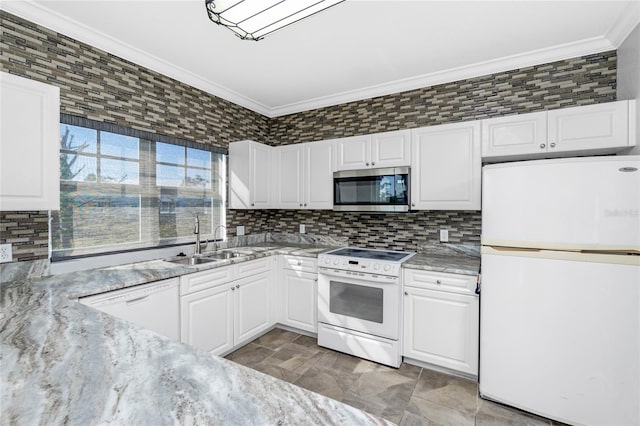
(371, 190)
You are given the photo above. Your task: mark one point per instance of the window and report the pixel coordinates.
(122, 189)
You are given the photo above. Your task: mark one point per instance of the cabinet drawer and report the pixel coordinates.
(464, 284)
(205, 279)
(298, 263)
(252, 267)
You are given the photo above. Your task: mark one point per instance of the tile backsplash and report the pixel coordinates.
(133, 96)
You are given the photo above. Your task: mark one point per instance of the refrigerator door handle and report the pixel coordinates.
(478, 284)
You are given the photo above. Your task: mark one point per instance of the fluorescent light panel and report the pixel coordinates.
(253, 19)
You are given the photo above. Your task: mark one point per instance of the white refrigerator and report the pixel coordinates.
(560, 298)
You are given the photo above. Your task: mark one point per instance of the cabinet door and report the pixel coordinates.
(589, 127)
(239, 175)
(289, 175)
(446, 164)
(252, 307)
(441, 328)
(207, 319)
(391, 149)
(261, 184)
(29, 123)
(514, 136)
(354, 153)
(319, 163)
(300, 300)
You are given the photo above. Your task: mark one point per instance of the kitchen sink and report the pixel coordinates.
(223, 255)
(192, 260)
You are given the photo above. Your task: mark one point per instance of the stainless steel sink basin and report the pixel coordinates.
(223, 255)
(191, 260)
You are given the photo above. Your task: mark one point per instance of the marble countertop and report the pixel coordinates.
(63, 362)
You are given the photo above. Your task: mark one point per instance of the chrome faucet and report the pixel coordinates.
(196, 230)
(215, 242)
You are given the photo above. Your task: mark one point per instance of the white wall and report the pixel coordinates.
(628, 78)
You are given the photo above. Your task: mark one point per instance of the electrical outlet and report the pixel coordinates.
(240, 230)
(444, 235)
(6, 254)
(302, 230)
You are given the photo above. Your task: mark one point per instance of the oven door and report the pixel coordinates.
(362, 302)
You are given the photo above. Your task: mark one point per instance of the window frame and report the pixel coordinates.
(146, 188)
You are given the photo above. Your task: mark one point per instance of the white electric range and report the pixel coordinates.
(360, 302)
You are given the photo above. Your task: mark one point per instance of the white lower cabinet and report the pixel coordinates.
(207, 319)
(218, 317)
(300, 300)
(440, 327)
(251, 307)
(300, 293)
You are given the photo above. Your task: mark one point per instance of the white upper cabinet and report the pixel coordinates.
(29, 144)
(304, 175)
(514, 135)
(389, 149)
(250, 183)
(446, 167)
(593, 129)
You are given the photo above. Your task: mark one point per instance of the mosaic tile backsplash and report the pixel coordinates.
(101, 86)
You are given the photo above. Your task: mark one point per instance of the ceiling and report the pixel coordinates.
(355, 50)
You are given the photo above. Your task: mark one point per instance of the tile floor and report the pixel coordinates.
(407, 396)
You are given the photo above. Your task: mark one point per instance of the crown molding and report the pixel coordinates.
(52, 20)
(621, 29)
(45, 17)
(508, 63)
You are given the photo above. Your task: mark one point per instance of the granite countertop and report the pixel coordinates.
(449, 258)
(64, 362)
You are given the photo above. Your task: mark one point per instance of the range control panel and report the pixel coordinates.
(359, 265)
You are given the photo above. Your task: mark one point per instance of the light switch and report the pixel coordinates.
(444, 235)
(302, 230)
(240, 230)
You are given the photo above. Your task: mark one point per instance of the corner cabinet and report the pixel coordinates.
(585, 130)
(304, 175)
(388, 149)
(441, 320)
(250, 183)
(446, 167)
(29, 124)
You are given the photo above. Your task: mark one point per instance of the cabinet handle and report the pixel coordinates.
(542, 146)
(553, 145)
(367, 164)
(406, 294)
(137, 299)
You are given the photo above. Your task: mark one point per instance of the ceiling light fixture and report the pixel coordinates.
(253, 19)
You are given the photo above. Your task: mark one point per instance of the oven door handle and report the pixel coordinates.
(366, 278)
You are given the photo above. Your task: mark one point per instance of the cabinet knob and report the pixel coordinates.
(300, 204)
(299, 263)
(305, 204)
(542, 146)
(553, 145)
(413, 204)
(233, 288)
(406, 294)
(252, 204)
(438, 282)
(367, 164)
(237, 285)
